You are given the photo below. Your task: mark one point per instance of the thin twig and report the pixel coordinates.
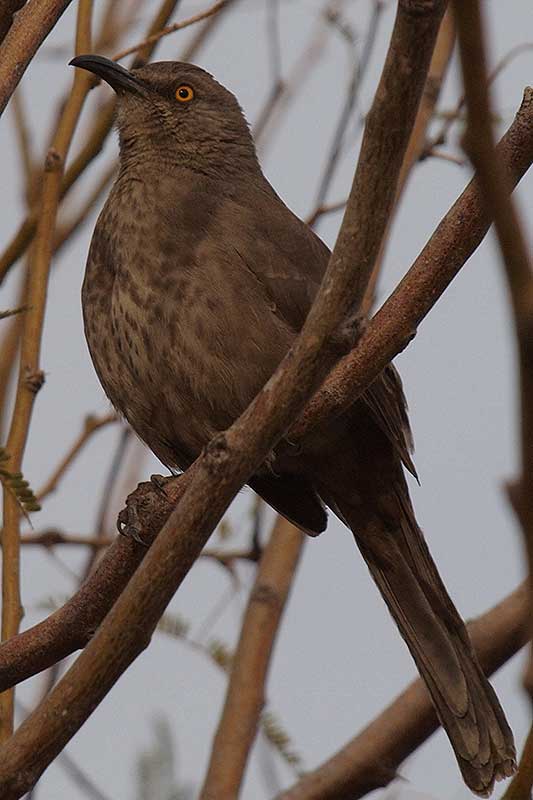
(323, 211)
(107, 493)
(451, 158)
(52, 537)
(9, 346)
(177, 26)
(112, 477)
(284, 90)
(24, 145)
(274, 40)
(360, 67)
(90, 426)
(454, 115)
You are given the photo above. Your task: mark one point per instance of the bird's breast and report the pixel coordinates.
(177, 336)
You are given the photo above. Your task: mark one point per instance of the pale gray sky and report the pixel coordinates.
(339, 659)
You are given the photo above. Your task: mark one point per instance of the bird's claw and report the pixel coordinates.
(128, 524)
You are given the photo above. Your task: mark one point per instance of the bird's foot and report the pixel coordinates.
(128, 524)
(148, 508)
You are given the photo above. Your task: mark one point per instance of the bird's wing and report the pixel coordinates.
(289, 260)
(386, 402)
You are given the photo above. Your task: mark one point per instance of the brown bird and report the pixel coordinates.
(197, 283)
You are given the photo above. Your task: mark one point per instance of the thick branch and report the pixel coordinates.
(9, 9)
(393, 110)
(417, 143)
(245, 695)
(371, 759)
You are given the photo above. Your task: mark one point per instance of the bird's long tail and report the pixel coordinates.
(399, 561)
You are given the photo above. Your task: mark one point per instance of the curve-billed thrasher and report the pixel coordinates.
(198, 280)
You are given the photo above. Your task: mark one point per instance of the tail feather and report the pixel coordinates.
(400, 563)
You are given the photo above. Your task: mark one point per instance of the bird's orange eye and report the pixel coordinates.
(184, 93)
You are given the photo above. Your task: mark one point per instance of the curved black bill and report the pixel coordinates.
(119, 78)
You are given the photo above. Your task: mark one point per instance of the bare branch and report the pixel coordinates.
(9, 9)
(245, 696)
(437, 71)
(177, 26)
(90, 426)
(29, 29)
(360, 66)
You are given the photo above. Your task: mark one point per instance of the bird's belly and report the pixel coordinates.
(177, 382)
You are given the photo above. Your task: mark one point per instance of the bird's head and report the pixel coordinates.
(178, 115)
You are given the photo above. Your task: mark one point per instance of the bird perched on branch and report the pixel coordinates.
(198, 280)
